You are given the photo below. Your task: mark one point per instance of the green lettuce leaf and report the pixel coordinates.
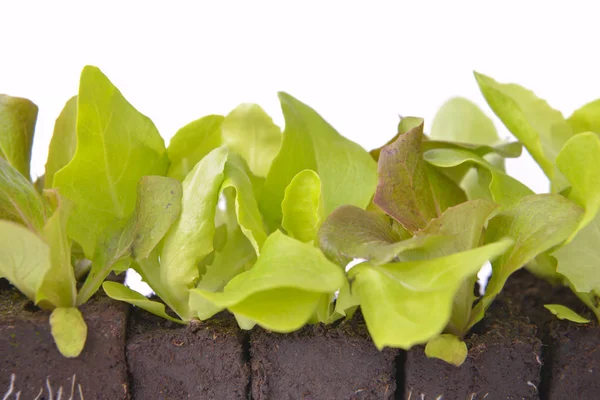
(448, 348)
(249, 131)
(69, 330)
(460, 120)
(563, 312)
(408, 303)
(158, 206)
(24, 258)
(348, 173)
(17, 126)
(19, 201)
(536, 223)
(190, 239)
(542, 129)
(283, 289)
(63, 143)
(116, 146)
(121, 292)
(586, 118)
(192, 143)
(302, 207)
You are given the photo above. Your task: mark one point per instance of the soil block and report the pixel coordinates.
(504, 362)
(203, 360)
(32, 368)
(571, 352)
(321, 362)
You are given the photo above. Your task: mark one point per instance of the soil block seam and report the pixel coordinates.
(400, 365)
(247, 358)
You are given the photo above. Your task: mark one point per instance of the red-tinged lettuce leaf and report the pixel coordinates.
(408, 303)
(116, 146)
(17, 126)
(586, 118)
(403, 190)
(348, 173)
(536, 223)
(538, 126)
(63, 143)
(192, 143)
(19, 200)
(283, 289)
(405, 125)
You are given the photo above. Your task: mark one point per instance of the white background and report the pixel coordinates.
(359, 64)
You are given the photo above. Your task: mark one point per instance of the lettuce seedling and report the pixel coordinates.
(567, 150)
(103, 202)
(256, 256)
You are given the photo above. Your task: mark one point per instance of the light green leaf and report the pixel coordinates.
(579, 163)
(563, 312)
(158, 206)
(120, 292)
(249, 131)
(301, 206)
(350, 232)
(116, 146)
(69, 330)
(282, 290)
(24, 258)
(190, 239)
(17, 126)
(536, 223)
(348, 173)
(408, 303)
(586, 118)
(19, 201)
(403, 190)
(542, 129)
(461, 120)
(237, 177)
(192, 143)
(448, 348)
(503, 189)
(63, 143)
(59, 284)
(346, 303)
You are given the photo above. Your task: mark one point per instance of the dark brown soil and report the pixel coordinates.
(31, 365)
(199, 361)
(321, 362)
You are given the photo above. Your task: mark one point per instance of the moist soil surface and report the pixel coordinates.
(32, 368)
(202, 360)
(321, 362)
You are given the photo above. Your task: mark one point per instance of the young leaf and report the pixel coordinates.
(59, 284)
(63, 143)
(350, 232)
(121, 292)
(17, 126)
(69, 330)
(19, 201)
(406, 124)
(348, 173)
(403, 190)
(301, 206)
(448, 348)
(542, 129)
(24, 258)
(408, 303)
(191, 143)
(190, 239)
(503, 189)
(563, 312)
(282, 290)
(249, 131)
(536, 223)
(116, 146)
(586, 119)
(158, 206)
(460, 120)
